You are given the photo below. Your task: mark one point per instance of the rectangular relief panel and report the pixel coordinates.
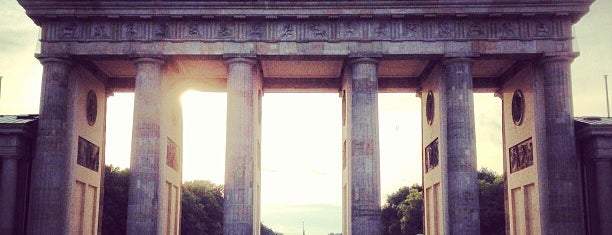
(77, 209)
(169, 217)
(437, 208)
(429, 210)
(90, 210)
(431, 155)
(531, 210)
(433, 209)
(521, 156)
(176, 211)
(172, 154)
(88, 155)
(518, 221)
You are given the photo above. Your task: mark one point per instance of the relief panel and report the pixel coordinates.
(172, 154)
(309, 30)
(431, 156)
(88, 155)
(521, 156)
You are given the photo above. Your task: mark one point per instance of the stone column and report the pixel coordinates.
(240, 152)
(603, 171)
(144, 205)
(364, 169)
(562, 210)
(462, 191)
(8, 191)
(51, 167)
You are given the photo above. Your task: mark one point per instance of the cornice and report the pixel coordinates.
(41, 10)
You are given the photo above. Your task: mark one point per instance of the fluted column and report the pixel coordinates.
(364, 169)
(463, 206)
(51, 167)
(240, 147)
(562, 212)
(144, 205)
(603, 174)
(8, 191)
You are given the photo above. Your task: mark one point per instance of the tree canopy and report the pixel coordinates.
(202, 208)
(114, 204)
(201, 205)
(403, 210)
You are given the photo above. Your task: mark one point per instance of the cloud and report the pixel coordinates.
(17, 31)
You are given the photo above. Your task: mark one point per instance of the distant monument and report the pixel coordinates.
(442, 50)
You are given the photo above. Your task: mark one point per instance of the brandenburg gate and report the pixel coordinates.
(443, 51)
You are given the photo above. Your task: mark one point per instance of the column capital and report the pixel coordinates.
(556, 57)
(109, 92)
(244, 60)
(45, 59)
(154, 60)
(363, 60)
(452, 60)
(499, 93)
(419, 92)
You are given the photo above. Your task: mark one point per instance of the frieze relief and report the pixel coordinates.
(521, 156)
(307, 30)
(432, 156)
(88, 154)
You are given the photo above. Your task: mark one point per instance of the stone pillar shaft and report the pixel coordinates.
(51, 167)
(562, 212)
(144, 193)
(463, 205)
(603, 169)
(8, 191)
(365, 153)
(240, 147)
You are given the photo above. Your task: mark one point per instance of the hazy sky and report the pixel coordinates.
(301, 145)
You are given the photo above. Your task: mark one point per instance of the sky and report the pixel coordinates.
(301, 135)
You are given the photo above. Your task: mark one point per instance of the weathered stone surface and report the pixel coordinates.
(412, 40)
(8, 193)
(463, 207)
(561, 213)
(241, 152)
(364, 171)
(144, 193)
(51, 166)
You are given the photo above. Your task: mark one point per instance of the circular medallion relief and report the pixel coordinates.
(91, 110)
(429, 108)
(518, 107)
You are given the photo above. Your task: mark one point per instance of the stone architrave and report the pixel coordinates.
(145, 201)
(241, 151)
(463, 206)
(49, 209)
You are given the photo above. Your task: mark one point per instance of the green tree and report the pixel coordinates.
(202, 208)
(492, 214)
(266, 231)
(201, 205)
(403, 211)
(114, 209)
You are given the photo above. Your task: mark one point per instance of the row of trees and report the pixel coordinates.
(201, 205)
(403, 210)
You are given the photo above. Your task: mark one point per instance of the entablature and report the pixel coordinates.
(41, 10)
